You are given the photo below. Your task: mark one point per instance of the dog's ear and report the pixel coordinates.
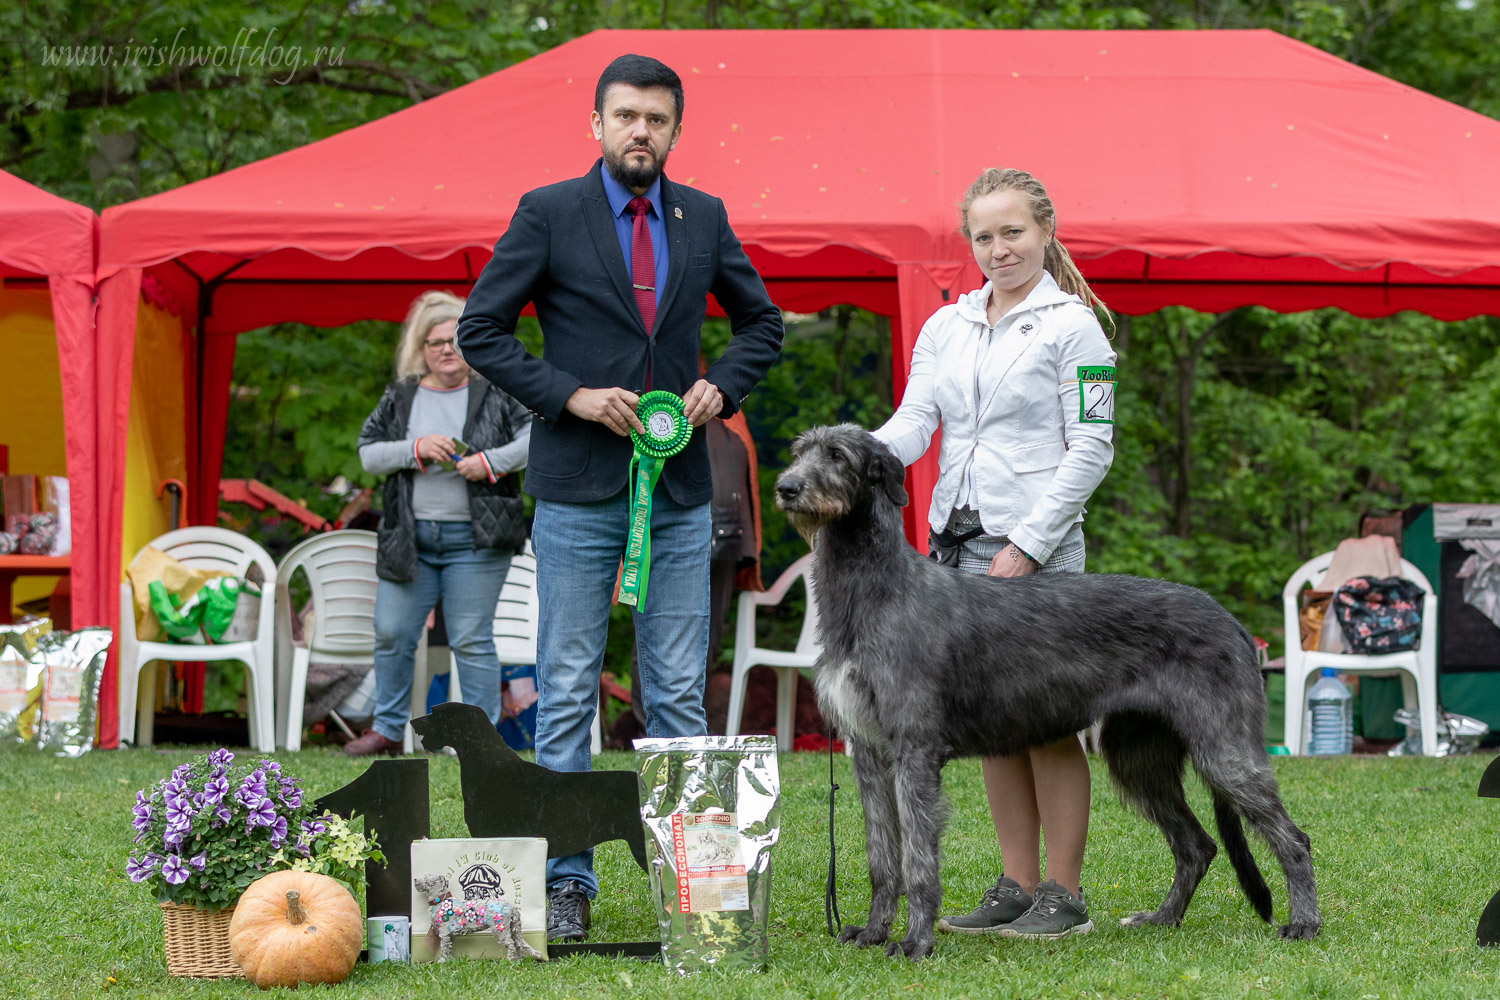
(886, 471)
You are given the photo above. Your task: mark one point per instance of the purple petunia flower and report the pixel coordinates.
(215, 790)
(199, 860)
(314, 826)
(179, 810)
(221, 757)
(252, 790)
(141, 813)
(173, 871)
(222, 816)
(260, 814)
(173, 835)
(140, 871)
(303, 847)
(292, 797)
(278, 830)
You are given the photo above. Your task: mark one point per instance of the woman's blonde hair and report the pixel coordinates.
(1056, 259)
(427, 311)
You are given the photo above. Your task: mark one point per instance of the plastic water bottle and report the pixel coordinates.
(1330, 709)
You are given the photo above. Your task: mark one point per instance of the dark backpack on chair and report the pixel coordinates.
(1380, 616)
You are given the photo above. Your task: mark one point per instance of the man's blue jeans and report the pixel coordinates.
(469, 583)
(578, 551)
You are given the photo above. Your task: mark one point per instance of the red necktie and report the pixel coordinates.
(643, 264)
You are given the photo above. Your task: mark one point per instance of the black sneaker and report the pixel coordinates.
(1055, 912)
(1002, 902)
(567, 912)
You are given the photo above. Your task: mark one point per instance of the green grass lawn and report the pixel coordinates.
(1405, 855)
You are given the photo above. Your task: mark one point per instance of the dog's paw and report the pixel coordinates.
(862, 937)
(1147, 918)
(912, 948)
(1298, 930)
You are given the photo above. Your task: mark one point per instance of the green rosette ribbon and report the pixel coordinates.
(666, 433)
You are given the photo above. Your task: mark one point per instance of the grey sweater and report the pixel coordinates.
(436, 494)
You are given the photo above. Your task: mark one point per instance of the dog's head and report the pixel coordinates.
(836, 471)
(433, 887)
(423, 726)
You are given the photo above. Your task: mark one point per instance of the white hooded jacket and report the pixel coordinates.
(1039, 442)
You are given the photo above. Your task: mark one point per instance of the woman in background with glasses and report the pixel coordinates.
(449, 444)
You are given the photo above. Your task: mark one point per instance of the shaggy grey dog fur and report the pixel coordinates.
(923, 663)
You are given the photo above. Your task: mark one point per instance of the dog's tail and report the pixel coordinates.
(1232, 833)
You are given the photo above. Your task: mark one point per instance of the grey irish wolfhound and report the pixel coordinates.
(923, 663)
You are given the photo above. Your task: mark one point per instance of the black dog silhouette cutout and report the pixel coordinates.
(1487, 933)
(505, 796)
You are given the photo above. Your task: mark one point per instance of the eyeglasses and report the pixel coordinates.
(438, 346)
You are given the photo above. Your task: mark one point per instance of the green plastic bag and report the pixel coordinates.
(206, 614)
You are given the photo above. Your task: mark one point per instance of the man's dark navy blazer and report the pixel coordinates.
(561, 253)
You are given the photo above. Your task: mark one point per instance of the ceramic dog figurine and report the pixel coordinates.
(452, 919)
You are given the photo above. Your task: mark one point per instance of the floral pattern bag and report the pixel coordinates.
(1380, 615)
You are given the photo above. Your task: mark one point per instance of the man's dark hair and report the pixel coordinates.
(641, 72)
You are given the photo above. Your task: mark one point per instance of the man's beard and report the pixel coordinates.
(632, 176)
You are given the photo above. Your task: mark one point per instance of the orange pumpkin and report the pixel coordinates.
(294, 927)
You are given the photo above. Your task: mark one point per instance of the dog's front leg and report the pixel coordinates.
(918, 774)
(872, 771)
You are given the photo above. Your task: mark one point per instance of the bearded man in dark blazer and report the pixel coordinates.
(619, 264)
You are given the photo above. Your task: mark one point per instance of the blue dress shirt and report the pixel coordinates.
(619, 203)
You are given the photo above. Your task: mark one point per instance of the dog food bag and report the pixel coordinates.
(72, 663)
(712, 810)
(20, 681)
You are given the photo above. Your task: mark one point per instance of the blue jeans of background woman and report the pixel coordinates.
(468, 582)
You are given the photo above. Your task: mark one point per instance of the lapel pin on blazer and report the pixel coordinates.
(677, 212)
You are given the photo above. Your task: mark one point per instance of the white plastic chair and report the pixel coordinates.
(517, 614)
(1416, 668)
(211, 549)
(340, 568)
(786, 662)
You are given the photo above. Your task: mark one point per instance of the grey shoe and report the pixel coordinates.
(1002, 902)
(1055, 913)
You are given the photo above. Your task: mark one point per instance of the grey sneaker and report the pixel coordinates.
(1002, 902)
(1055, 912)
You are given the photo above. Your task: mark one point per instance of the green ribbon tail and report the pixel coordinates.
(644, 471)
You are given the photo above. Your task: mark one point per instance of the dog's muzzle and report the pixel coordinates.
(787, 491)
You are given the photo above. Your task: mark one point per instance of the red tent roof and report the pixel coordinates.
(1211, 168)
(42, 234)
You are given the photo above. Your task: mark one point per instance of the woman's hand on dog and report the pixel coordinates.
(1011, 561)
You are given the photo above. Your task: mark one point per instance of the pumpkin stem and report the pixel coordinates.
(295, 914)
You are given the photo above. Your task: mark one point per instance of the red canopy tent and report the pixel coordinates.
(48, 242)
(1209, 169)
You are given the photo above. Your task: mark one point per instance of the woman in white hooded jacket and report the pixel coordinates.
(1021, 379)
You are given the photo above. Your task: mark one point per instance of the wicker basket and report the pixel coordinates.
(198, 942)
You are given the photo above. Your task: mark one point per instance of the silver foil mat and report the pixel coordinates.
(1457, 735)
(711, 806)
(72, 663)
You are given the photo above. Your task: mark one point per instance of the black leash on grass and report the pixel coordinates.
(830, 895)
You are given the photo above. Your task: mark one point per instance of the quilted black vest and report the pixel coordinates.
(493, 419)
